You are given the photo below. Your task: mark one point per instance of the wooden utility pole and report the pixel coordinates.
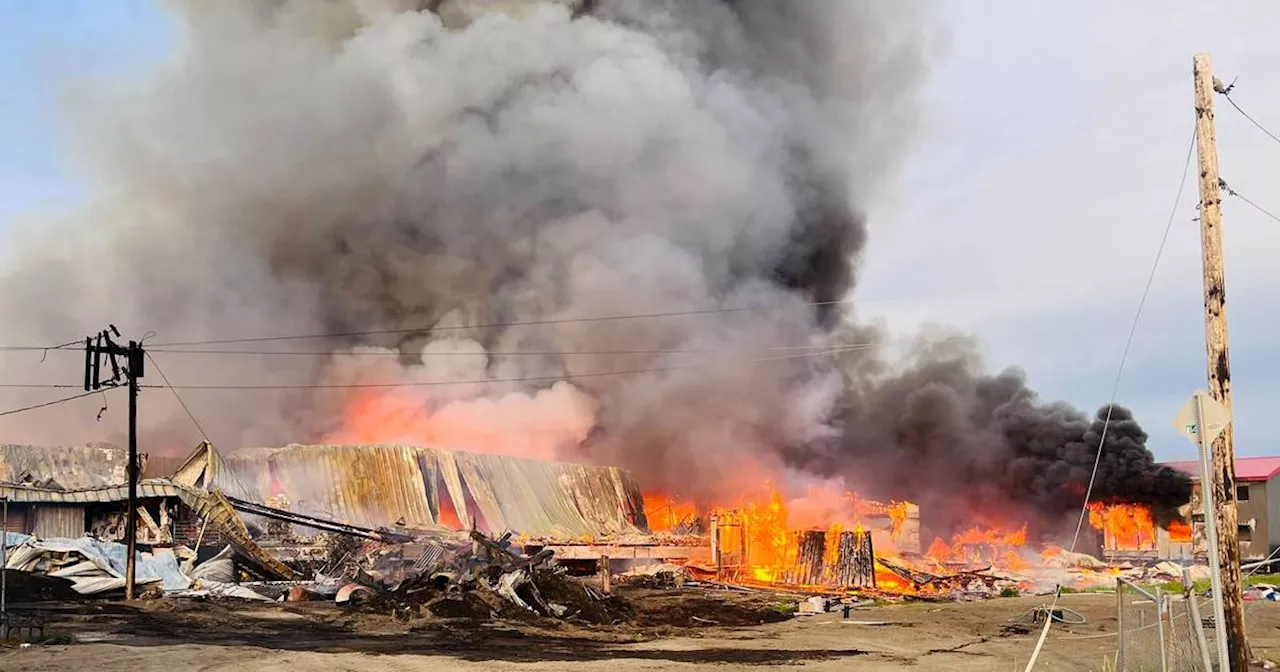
(94, 352)
(1219, 368)
(134, 355)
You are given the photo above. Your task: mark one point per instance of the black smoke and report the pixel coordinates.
(972, 448)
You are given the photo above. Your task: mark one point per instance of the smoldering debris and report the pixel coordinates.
(472, 576)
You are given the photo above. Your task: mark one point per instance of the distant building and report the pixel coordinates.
(1258, 495)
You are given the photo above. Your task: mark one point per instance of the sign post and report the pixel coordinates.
(1202, 419)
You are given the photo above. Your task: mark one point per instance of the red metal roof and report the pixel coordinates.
(1247, 468)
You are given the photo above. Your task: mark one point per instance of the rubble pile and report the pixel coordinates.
(92, 566)
(957, 585)
(473, 576)
(657, 577)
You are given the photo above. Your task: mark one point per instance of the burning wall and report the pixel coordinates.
(426, 488)
(451, 189)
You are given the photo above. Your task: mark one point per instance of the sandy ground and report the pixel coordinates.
(956, 637)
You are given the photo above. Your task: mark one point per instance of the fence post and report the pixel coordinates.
(1119, 625)
(1197, 625)
(1164, 654)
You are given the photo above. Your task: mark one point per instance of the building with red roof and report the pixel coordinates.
(1257, 481)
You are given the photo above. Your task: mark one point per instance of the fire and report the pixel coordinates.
(818, 540)
(667, 514)
(897, 516)
(1179, 532)
(535, 426)
(1124, 526)
(978, 546)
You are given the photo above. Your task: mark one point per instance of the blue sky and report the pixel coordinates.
(1028, 214)
(42, 44)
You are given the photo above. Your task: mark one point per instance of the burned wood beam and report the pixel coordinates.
(316, 523)
(811, 548)
(215, 509)
(855, 561)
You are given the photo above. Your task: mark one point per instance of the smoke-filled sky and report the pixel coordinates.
(297, 167)
(1059, 161)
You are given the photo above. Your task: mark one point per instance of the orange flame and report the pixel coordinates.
(1179, 532)
(534, 426)
(1127, 527)
(666, 513)
(978, 546)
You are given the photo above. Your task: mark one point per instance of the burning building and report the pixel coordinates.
(1257, 482)
(421, 488)
(615, 233)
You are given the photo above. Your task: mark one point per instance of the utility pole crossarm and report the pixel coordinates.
(1218, 365)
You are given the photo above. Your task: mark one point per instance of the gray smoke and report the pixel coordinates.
(425, 168)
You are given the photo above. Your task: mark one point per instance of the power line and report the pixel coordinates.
(39, 348)
(1225, 187)
(50, 403)
(434, 383)
(503, 353)
(523, 353)
(520, 379)
(496, 325)
(1226, 93)
(178, 397)
(40, 386)
(1115, 388)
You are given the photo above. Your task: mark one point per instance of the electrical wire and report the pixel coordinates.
(39, 348)
(435, 383)
(1253, 121)
(49, 403)
(519, 379)
(1232, 192)
(1115, 388)
(519, 353)
(44, 386)
(495, 325)
(177, 396)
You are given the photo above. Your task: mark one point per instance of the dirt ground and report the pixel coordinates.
(957, 637)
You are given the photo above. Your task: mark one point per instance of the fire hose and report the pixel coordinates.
(1058, 614)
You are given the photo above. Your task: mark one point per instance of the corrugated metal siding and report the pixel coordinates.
(369, 486)
(205, 470)
(119, 493)
(58, 521)
(72, 467)
(376, 485)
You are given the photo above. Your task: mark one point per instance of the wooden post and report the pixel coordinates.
(715, 547)
(606, 577)
(1219, 367)
(1164, 651)
(131, 521)
(1119, 625)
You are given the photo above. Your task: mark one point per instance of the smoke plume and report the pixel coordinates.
(412, 173)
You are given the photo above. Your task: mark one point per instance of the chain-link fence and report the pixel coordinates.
(1160, 631)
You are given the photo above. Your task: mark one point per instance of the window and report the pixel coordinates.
(1245, 533)
(1242, 493)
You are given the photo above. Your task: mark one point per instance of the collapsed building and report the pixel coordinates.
(420, 488)
(273, 514)
(269, 504)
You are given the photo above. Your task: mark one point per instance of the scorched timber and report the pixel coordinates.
(811, 549)
(317, 523)
(855, 563)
